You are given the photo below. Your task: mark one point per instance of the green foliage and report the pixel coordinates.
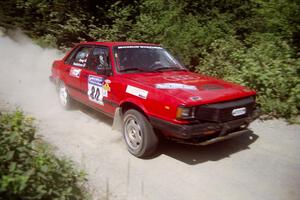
(29, 170)
(267, 66)
(253, 42)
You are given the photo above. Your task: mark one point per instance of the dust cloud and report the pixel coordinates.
(79, 133)
(24, 74)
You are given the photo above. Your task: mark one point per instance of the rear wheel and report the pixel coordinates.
(64, 98)
(138, 133)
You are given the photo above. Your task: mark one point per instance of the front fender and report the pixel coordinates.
(135, 103)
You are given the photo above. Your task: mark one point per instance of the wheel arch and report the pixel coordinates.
(127, 105)
(58, 81)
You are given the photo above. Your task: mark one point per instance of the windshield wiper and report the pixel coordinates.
(132, 69)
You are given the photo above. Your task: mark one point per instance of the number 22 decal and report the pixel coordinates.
(95, 95)
(95, 89)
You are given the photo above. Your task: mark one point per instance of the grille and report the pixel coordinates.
(222, 112)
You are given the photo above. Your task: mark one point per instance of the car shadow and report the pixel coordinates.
(189, 154)
(193, 155)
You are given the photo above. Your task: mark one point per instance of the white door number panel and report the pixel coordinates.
(95, 89)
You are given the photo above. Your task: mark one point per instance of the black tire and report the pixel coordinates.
(65, 99)
(138, 134)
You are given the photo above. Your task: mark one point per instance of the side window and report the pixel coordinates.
(81, 56)
(99, 59)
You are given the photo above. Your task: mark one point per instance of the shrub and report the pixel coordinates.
(267, 66)
(28, 170)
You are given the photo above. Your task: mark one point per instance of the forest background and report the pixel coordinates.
(255, 43)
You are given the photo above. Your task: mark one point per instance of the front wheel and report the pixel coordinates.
(138, 133)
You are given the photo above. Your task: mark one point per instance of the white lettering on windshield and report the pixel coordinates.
(139, 47)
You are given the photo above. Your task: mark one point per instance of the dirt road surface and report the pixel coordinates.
(262, 165)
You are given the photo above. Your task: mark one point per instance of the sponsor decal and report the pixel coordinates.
(106, 87)
(75, 72)
(79, 64)
(238, 111)
(82, 60)
(95, 89)
(137, 92)
(175, 86)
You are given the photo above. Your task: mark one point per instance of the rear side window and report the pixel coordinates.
(81, 57)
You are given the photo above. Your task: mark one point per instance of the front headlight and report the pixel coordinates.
(185, 113)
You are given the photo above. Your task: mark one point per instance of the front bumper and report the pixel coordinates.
(204, 133)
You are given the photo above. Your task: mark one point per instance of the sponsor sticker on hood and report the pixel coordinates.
(175, 86)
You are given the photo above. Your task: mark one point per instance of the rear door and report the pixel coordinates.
(96, 83)
(75, 64)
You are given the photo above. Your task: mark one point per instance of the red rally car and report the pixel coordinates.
(153, 94)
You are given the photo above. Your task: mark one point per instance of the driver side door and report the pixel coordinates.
(95, 82)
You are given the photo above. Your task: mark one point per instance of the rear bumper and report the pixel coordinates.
(204, 133)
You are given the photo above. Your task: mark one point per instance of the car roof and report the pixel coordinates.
(118, 43)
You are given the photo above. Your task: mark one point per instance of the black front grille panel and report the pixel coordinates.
(222, 112)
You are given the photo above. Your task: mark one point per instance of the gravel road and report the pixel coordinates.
(262, 165)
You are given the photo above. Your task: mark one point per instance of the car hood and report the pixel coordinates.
(192, 88)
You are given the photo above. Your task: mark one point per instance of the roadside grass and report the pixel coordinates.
(28, 167)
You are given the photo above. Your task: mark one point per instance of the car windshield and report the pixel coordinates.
(145, 59)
